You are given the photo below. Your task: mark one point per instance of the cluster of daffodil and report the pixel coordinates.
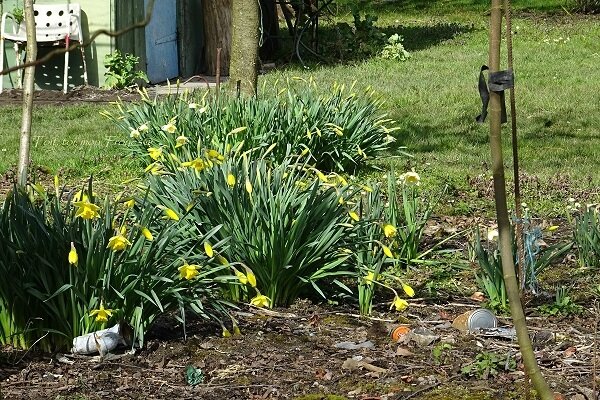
(341, 131)
(280, 235)
(587, 236)
(103, 262)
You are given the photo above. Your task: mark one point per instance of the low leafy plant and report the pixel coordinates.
(490, 278)
(563, 305)
(286, 225)
(587, 238)
(77, 266)
(441, 353)
(340, 131)
(489, 364)
(359, 40)
(121, 70)
(394, 49)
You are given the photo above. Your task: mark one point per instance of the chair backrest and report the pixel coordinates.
(54, 21)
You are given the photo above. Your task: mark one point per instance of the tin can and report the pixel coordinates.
(399, 332)
(475, 320)
(101, 342)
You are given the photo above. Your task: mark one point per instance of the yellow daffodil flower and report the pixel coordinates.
(387, 251)
(86, 210)
(198, 164)
(410, 292)
(181, 141)
(251, 277)
(389, 230)
(154, 152)
(147, 234)
(118, 242)
(129, 203)
(102, 314)
(231, 179)
(241, 276)
(187, 271)
(238, 130)
(170, 214)
(260, 301)
(354, 215)
(399, 304)
(222, 260)
(134, 134)
(215, 155)
(369, 278)
(411, 178)
(552, 228)
(155, 168)
(170, 127)
(81, 196)
(208, 249)
(73, 257)
(248, 186)
(321, 176)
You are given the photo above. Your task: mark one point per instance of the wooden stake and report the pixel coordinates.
(508, 265)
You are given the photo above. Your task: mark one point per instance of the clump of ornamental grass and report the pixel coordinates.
(83, 265)
(286, 226)
(340, 130)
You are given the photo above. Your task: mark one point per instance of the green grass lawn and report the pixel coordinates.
(433, 96)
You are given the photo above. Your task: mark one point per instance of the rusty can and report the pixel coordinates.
(475, 320)
(399, 332)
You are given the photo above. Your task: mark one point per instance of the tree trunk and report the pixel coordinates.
(217, 34)
(244, 45)
(505, 242)
(28, 88)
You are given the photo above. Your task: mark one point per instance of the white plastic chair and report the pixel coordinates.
(55, 25)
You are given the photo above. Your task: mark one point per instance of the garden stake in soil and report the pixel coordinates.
(508, 267)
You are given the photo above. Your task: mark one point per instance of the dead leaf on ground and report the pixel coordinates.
(401, 351)
(478, 296)
(570, 351)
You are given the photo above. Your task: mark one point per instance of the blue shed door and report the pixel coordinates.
(161, 42)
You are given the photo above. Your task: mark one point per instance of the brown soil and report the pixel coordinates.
(80, 94)
(292, 354)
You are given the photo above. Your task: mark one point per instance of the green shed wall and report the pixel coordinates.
(96, 14)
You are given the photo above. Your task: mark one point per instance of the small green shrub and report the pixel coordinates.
(340, 131)
(120, 70)
(76, 266)
(394, 49)
(285, 226)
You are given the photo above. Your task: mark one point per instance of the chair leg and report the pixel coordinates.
(65, 81)
(85, 76)
(1, 62)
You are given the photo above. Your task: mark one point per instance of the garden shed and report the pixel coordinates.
(169, 47)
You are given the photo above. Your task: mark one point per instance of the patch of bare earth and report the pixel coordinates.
(310, 349)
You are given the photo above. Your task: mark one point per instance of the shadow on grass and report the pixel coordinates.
(465, 6)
